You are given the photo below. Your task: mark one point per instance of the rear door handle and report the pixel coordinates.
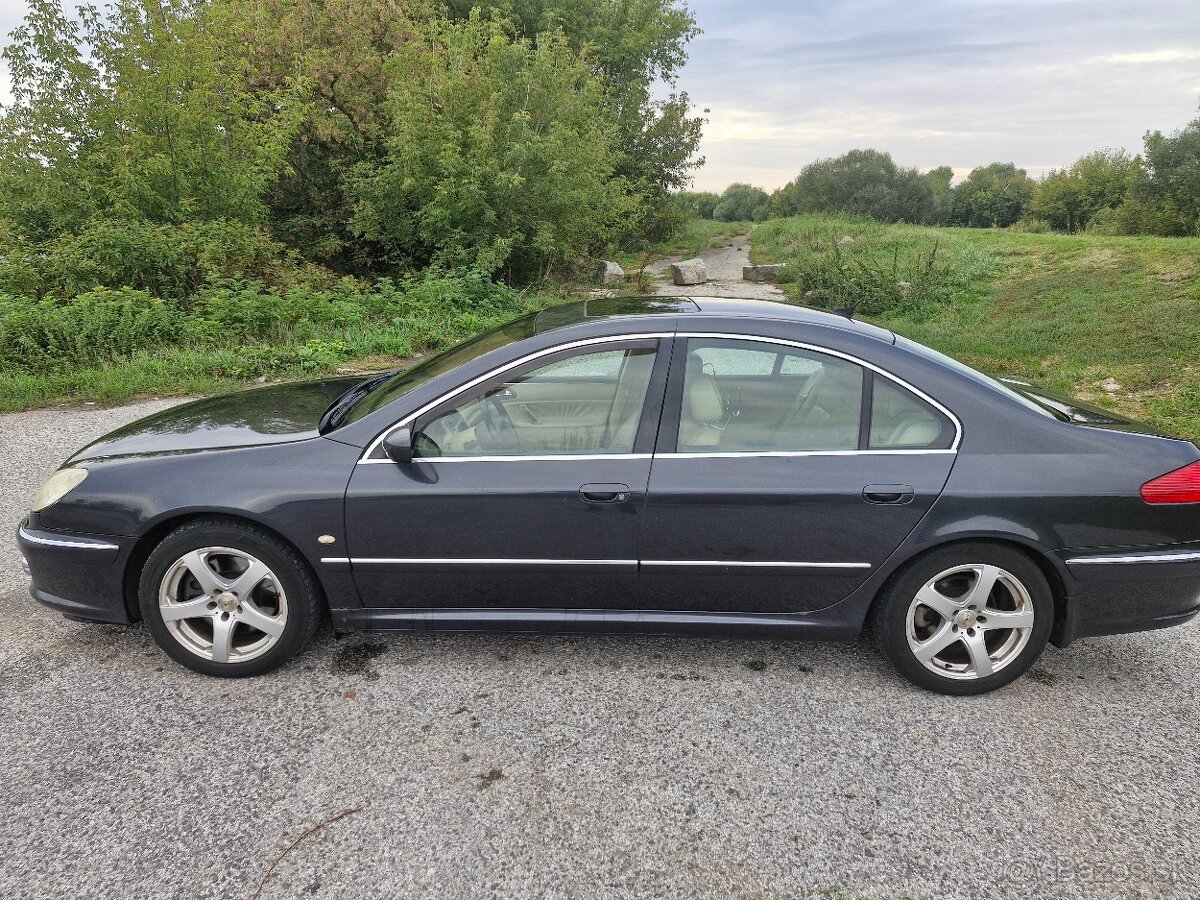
(604, 493)
(896, 494)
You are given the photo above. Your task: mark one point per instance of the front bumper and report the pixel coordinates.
(79, 575)
(1115, 592)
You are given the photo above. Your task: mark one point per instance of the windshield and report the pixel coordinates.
(977, 376)
(403, 382)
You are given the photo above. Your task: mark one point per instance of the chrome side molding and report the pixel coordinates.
(632, 563)
(702, 563)
(430, 561)
(74, 543)
(1150, 556)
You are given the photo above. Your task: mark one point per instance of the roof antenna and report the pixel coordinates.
(846, 311)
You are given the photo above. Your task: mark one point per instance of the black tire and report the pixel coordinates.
(288, 574)
(891, 620)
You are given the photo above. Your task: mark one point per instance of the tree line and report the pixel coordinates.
(1107, 191)
(370, 138)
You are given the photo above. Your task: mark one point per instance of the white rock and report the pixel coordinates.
(845, 240)
(689, 271)
(1111, 385)
(762, 273)
(609, 272)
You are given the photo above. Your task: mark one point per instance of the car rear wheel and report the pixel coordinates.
(226, 598)
(966, 619)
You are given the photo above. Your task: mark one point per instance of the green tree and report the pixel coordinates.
(1058, 200)
(634, 46)
(496, 155)
(941, 195)
(1165, 195)
(696, 204)
(742, 203)
(155, 125)
(1070, 199)
(860, 182)
(993, 196)
(338, 50)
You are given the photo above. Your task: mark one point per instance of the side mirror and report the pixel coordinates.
(398, 445)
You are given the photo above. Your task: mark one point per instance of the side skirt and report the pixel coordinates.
(826, 625)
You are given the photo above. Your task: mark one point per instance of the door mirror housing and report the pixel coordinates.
(398, 445)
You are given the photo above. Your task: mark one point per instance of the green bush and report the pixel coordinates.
(878, 269)
(169, 261)
(1031, 225)
(247, 328)
(94, 327)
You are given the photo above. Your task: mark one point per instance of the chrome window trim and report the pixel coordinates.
(512, 561)
(1168, 556)
(75, 544)
(788, 453)
(560, 458)
(846, 356)
(365, 459)
(688, 563)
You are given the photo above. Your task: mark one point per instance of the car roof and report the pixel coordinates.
(594, 308)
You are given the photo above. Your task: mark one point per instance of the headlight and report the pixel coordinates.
(57, 486)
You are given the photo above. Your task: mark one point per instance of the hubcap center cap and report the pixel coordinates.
(226, 601)
(965, 618)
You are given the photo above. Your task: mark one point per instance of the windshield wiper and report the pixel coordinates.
(340, 408)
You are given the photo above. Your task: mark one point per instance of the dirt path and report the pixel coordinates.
(724, 264)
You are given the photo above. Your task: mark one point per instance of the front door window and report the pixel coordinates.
(586, 403)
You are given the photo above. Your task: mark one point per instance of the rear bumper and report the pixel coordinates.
(1115, 592)
(79, 575)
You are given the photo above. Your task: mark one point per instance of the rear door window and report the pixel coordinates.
(755, 396)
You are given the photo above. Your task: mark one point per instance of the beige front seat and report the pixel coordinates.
(827, 418)
(703, 411)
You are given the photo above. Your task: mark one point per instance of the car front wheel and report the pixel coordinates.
(226, 598)
(966, 619)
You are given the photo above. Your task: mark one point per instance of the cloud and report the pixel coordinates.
(941, 82)
(1153, 56)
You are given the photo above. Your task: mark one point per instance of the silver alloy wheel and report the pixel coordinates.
(970, 621)
(222, 604)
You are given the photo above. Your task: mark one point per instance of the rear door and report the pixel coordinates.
(784, 475)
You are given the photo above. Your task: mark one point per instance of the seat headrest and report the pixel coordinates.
(701, 398)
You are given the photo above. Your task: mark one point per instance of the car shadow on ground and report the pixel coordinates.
(1129, 662)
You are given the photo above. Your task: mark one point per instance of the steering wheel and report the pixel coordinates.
(497, 422)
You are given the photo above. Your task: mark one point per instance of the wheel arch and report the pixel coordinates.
(1049, 566)
(156, 533)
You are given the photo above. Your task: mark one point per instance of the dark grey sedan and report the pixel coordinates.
(695, 466)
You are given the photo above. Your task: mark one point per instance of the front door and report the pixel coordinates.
(526, 490)
(784, 477)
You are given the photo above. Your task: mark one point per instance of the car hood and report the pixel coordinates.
(268, 415)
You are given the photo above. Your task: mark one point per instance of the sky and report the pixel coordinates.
(934, 82)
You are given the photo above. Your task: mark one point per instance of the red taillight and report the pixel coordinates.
(1180, 486)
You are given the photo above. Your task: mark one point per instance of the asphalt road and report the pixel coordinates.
(515, 767)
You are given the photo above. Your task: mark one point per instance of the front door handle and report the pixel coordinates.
(895, 494)
(604, 493)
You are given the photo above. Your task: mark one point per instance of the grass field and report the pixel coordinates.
(109, 346)
(1071, 313)
(1065, 312)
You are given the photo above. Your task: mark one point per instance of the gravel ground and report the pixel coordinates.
(724, 268)
(515, 767)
